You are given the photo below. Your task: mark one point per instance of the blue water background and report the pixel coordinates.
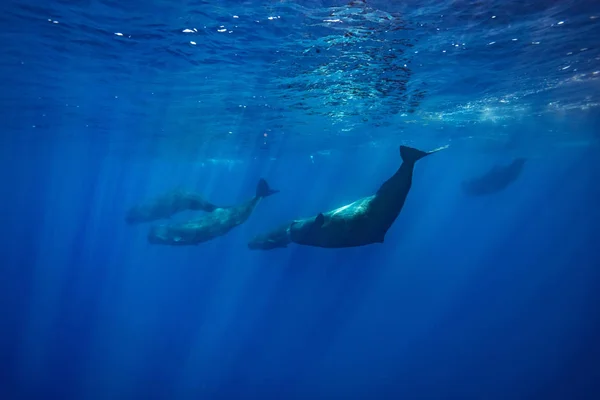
(468, 298)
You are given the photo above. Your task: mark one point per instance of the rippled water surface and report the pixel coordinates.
(232, 78)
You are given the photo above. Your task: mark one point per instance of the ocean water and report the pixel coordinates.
(107, 104)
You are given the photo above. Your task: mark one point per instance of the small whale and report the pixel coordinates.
(360, 223)
(277, 238)
(496, 179)
(167, 205)
(209, 226)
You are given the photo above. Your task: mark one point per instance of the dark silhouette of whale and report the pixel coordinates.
(219, 222)
(166, 206)
(496, 179)
(360, 223)
(279, 237)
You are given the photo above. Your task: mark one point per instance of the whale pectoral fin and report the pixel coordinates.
(319, 220)
(317, 223)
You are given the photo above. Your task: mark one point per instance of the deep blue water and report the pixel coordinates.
(106, 104)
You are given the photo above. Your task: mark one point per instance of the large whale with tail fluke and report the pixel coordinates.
(217, 223)
(365, 221)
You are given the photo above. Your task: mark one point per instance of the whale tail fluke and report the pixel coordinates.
(411, 155)
(263, 189)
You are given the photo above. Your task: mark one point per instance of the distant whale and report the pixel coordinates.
(209, 226)
(496, 179)
(360, 223)
(167, 205)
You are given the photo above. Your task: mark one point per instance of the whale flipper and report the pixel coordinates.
(319, 220)
(263, 189)
(316, 224)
